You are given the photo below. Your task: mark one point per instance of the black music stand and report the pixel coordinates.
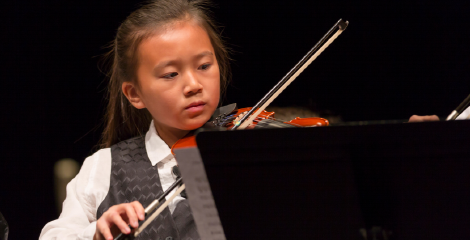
(412, 179)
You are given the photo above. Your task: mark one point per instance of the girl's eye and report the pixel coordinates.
(205, 66)
(171, 75)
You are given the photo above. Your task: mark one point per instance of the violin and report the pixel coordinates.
(264, 120)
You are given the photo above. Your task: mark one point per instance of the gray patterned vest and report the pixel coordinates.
(133, 178)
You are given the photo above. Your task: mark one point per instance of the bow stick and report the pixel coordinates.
(459, 109)
(291, 75)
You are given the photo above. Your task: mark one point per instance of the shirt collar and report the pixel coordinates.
(157, 150)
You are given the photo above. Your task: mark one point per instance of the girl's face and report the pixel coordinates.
(178, 77)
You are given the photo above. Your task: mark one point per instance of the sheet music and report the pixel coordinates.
(464, 115)
(199, 194)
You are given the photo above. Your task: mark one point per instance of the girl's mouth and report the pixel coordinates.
(195, 107)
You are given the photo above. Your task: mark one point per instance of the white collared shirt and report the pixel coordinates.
(91, 185)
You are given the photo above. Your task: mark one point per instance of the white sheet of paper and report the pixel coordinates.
(199, 194)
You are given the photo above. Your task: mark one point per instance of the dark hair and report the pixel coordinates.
(122, 120)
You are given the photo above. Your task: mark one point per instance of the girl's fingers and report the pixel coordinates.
(117, 220)
(103, 228)
(139, 209)
(416, 118)
(131, 215)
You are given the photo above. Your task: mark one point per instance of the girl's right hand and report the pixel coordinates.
(117, 219)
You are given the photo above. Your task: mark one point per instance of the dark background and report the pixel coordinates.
(397, 58)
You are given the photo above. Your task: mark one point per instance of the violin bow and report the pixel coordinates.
(291, 75)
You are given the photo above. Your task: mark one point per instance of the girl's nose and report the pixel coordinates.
(192, 85)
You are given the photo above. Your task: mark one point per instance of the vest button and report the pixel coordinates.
(169, 238)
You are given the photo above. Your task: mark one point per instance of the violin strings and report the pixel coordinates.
(258, 119)
(280, 121)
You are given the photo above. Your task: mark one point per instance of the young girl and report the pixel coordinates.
(169, 66)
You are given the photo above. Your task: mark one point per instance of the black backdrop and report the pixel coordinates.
(396, 58)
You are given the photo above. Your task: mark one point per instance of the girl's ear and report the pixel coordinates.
(131, 93)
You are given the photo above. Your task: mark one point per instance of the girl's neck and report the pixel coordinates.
(169, 135)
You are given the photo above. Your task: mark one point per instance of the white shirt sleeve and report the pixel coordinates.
(84, 195)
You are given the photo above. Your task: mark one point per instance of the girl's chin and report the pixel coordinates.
(192, 125)
(196, 122)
